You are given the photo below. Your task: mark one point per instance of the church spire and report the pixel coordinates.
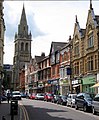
(23, 27)
(91, 5)
(23, 16)
(76, 19)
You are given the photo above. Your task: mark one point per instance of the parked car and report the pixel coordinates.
(39, 96)
(62, 100)
(95, 104)
(71, 100)
(32, 96)
(23, 95)
(3, 98)
(16, 95)
(84, 101)
(48, 97)
(55, 98)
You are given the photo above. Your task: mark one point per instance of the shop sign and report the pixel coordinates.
(64, 82)
(54, 82)
(89, 80)
(75, 82)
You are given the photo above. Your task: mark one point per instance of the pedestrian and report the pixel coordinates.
(8, 96)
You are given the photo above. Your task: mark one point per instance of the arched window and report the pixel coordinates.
(22, 46)
(26, 47)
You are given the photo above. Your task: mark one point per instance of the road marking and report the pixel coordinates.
(26, 117)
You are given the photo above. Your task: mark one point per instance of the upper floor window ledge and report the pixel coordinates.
(91, 47)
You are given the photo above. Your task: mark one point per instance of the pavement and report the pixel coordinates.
(5, 108)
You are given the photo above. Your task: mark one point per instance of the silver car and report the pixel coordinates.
(95, 104)
(71, 100)
(39, 96)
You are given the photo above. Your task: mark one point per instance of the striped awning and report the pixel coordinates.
(96, 85)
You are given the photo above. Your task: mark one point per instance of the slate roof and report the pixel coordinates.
(39, 58)
(83, 31)
(58, 45)
(97, 19)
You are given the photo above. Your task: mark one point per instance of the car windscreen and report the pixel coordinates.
(15, 93)
(64, 97)
(74, 96)
(88, 97)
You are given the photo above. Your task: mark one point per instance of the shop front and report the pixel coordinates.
(87, 83)
(40, 88)
(76, 86)
(55, 86)
(64, 86)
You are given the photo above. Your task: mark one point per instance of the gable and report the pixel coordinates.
(91, 21)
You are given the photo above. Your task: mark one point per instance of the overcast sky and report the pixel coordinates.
(47, 20)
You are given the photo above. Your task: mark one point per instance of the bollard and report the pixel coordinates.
(13, 108)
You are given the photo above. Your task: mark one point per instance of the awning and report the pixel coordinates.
(96, 85)
(76, 85)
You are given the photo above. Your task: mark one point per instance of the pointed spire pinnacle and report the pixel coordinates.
(91, 5)
(76, 19)
(23, 16)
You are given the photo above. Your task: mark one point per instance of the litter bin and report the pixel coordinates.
(14, 107)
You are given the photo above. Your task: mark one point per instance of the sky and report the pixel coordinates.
(47, 20)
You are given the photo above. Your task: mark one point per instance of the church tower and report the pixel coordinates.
(22, 51)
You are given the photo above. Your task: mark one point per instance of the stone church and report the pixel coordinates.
(22, 50)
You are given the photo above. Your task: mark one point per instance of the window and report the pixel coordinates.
(26, 47)
(85, 65)
(57, 57)
(22, 46)
(66, 56)
(96, 62)
(76, 49)
(53, 58)
(76, 68)
(90, 40)
(90, 63)
(96, 99)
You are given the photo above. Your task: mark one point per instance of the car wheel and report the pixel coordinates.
(71, 105)
(61, 103)
(85, 108)
(57, 102)
(76, 107)
(67, 104)
(93, 111)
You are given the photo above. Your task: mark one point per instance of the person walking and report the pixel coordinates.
(8, 96)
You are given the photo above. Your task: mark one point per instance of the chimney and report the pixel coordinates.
(43, 54)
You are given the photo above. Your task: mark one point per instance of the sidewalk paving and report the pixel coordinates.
(5, 111)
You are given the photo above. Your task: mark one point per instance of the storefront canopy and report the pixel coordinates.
(96, 85)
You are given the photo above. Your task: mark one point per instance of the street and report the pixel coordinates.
(40, 110)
